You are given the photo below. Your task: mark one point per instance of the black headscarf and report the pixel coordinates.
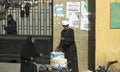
(29, 49)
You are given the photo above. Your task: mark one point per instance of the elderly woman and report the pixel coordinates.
(28, 54)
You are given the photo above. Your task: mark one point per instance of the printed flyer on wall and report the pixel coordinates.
(73, 13)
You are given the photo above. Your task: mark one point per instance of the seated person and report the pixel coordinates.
(28, 55)
(11, 25)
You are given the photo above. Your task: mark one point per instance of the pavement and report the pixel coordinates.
(15, 67)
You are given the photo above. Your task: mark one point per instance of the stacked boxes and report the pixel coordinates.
(58, 60)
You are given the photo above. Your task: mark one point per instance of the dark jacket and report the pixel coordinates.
(11, 27)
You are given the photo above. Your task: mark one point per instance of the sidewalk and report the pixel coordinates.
(9, 67)
(14, 67)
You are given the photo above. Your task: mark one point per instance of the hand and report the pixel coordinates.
(62, 38)
(40, 54)
(56, 50)
(32, 59)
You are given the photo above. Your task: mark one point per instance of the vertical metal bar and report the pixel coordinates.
(46, 17)
(34, 25)
(22, 19)
(52, 17)
(51, 22)
(18, 21)
(49, 17)
(2, 28)
(39, 17)
(32, 20)
(44, 24)
(47, 26)
(17, 17)
(21, 22)
(29, 21)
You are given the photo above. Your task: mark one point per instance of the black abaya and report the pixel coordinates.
(27, 52)
(69, 48)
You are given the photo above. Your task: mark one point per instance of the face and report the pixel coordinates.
(8, 18)
(65, 27)
(33, 40)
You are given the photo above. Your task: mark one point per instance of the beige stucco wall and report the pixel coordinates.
(81, 37)
(107, 39)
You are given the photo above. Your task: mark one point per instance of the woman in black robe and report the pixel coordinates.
(68, 46)
(28, 54)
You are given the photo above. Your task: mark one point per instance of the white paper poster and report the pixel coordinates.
(85, 23)
(73, 13)
(84, 20)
